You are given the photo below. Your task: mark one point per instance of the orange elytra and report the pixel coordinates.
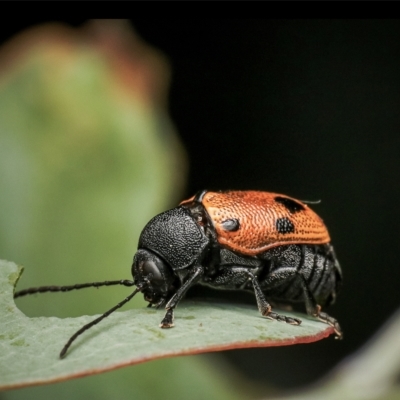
(265, 220)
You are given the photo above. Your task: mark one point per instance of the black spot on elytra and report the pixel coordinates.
(291, 205)
(284, 225)
(231, 225)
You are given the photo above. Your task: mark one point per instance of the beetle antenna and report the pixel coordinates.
(96, 321)
(43, 289)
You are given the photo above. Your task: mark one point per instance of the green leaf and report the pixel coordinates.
(29, 347)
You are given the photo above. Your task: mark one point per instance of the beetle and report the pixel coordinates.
(270, 244)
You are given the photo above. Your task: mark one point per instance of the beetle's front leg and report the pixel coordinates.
(193, 277)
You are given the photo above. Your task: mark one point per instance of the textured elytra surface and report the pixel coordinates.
(29, 347)
(266, 220)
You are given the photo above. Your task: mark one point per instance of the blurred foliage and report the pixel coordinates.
(87, 157)
(372, 373)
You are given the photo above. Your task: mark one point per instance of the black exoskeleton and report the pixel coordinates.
(190, 254)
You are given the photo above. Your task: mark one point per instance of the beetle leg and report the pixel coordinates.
(194, 276)
(284, 318)
(168, 320)
(265, 308)
(314, 310)
(324, 317)
(159, 304)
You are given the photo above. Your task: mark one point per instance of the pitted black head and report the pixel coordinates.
(175, 237)
(153, 277)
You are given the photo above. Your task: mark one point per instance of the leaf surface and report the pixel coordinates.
(29, 347)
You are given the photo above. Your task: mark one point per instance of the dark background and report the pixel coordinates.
(309, 108)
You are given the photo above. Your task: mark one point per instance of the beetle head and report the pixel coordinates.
(153, 277)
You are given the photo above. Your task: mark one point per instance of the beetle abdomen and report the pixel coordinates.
(316, 264)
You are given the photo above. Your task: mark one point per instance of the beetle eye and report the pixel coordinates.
(149, 267)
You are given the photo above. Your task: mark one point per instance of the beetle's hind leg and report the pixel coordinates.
(314, 310)
(324, 317)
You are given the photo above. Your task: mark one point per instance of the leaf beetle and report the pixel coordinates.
(270, 244)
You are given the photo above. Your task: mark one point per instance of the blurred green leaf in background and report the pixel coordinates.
(87, 156)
